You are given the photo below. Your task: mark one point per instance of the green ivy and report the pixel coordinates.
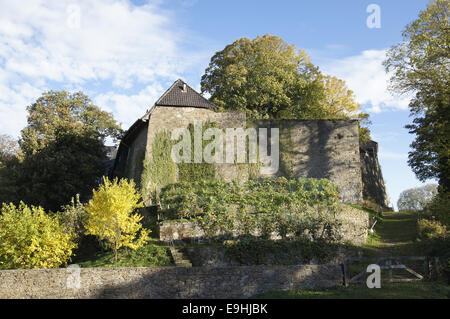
(286, 149)
(189, 172)
(161, 170)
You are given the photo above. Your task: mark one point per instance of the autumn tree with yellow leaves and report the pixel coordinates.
(111, 215)
(270, 79)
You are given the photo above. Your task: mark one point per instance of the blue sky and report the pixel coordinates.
(124, 54)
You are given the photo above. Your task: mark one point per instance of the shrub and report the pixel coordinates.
(110, 215)
(30, 238)
(431, 229)
(255, 252)
(298, 207)
(73, 217)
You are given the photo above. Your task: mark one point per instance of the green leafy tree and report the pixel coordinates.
(63, 149)
(9, 148)
(340, 102)
(417, 198)
(60, 111)
(30, 238)
(110, 215)
(9, 158)
(268, 78)
(420, 65)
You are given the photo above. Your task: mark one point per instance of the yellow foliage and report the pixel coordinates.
(111, 218)
(339, 100)
(30, 238)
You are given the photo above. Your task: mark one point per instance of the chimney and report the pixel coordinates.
(184, 88)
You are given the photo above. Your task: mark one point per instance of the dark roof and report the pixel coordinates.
(177, 96)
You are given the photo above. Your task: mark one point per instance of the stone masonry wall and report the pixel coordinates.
(355, 224)
(373, 183)
(322, 149)
(317, 148)
(166, 282)
(165, 118)
(136, 155)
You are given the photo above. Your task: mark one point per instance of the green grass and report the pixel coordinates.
(418, 290)
(395, 235)
(152, 255)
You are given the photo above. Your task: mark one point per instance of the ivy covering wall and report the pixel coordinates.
(190, 172)
(161, 170)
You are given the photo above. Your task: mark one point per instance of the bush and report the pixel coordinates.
(256, 252)
(431, 229)
(73, 217)
(298, 207)
(110, 215)
(30, 238)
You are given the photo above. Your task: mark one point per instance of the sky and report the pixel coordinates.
(124, 54)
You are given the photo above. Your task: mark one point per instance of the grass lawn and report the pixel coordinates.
(395, 235)
(153, 254)
(417, 290)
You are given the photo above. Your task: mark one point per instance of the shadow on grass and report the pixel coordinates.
(419, 290)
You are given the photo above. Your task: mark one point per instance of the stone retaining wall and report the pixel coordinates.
(165, 282)
(355, 224)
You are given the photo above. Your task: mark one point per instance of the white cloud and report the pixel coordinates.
(365, 75)
(111, 46)
(128, 108)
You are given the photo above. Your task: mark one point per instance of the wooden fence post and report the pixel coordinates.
(346, 266)
(389, 269)
(426, 268)
(436, 268)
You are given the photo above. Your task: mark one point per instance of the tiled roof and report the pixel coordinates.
(181, 94)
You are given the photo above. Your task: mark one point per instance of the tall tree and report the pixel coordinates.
(60, 111)
(9, 158)
(420, 64)
(416, 198)
(63, 149)
(269, 78)
(339, 101)
(9, 148)
(265, 77)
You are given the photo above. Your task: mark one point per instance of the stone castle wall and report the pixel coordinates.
(165, 118)
(309, 148)
(354, 226)
(165, 282)
(322, 149)
(374, 188)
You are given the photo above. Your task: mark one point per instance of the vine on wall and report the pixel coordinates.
(286, 149)
(190, 172)
(161, 170)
